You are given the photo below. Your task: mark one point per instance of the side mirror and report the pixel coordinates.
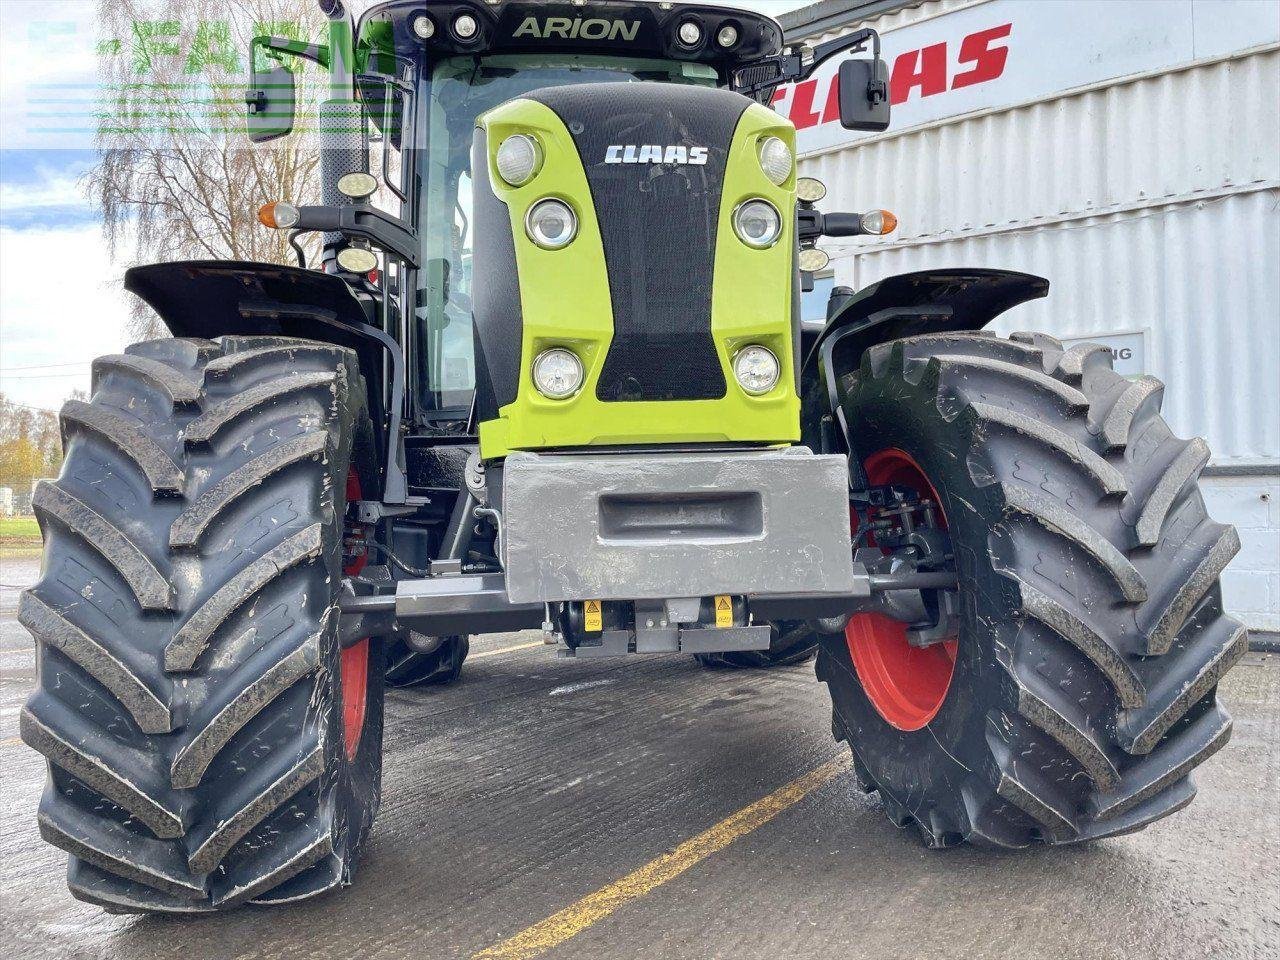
(272, 103)
(864, 95)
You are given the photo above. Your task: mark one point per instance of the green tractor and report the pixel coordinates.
(559, 381)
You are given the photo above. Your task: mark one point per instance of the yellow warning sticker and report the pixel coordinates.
(724, 611)
(592, 621)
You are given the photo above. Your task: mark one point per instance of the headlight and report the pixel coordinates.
(756, 369)
(775, 160)
(810, 190)
(551, 224)
(358, 185)
(357, 259)
(557, 373)
(518, 159)
(757, 224)
(812, 259)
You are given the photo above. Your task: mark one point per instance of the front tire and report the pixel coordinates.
(1092, 633)
(208, 742)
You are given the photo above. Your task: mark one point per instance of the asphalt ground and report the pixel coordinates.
(650, 808)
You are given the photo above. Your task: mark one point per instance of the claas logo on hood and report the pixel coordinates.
(656, 153)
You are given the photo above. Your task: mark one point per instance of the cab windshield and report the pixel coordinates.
(455, 93)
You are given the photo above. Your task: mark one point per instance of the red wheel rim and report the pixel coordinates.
(353, 672)
(907, 685)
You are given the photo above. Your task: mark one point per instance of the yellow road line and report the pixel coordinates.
(11, 742)
(572, 920)
(494, 653)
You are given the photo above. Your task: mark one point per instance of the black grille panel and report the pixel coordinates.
(658, 222)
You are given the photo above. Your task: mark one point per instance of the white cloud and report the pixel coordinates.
(61, 302)
(54, 190)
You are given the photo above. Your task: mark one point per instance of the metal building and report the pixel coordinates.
(1129, 151)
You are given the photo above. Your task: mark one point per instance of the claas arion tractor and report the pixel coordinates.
(549, 373)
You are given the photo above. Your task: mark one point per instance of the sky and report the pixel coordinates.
(61, 300)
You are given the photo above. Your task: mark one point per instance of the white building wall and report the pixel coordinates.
(1152, 203)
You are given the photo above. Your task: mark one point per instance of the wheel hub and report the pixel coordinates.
(906, 684)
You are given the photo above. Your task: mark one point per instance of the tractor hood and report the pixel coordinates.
(655, 157)
(657, 291)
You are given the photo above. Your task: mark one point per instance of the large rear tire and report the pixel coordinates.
(208, 742)
(1082, 690)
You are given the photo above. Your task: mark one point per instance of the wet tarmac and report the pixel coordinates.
(536, 781)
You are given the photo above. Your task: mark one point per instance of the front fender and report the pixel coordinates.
(906, 305)
(215, 298)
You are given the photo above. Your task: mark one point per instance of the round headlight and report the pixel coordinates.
(518, 159)
(358, 185)
(551, 224)
(727, 36)
(557, 373)
(757, 224)
(776, 160)
(690, 33)
(357, 260)
(810, 190)
(423, 27)
(756, 369)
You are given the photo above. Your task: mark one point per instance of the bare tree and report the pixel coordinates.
(178, 179)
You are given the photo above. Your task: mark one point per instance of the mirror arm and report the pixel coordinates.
(853, 43)
(799, 62)
(317, 53)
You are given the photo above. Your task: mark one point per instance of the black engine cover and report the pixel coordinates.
(658, 221)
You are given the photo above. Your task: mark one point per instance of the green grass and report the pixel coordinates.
(19, 533)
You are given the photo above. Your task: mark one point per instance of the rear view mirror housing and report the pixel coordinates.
(272, 103)
(864, 95)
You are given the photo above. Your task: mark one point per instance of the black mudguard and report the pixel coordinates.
(906, 305)
(216, 298)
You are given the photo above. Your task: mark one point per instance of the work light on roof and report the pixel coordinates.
(690, 33)
(727, 36)
(465, 26)
(424, 27)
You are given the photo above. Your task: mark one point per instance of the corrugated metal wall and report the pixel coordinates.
(1152, 203)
